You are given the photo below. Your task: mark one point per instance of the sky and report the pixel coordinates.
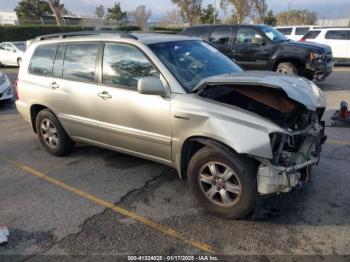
(324, 8)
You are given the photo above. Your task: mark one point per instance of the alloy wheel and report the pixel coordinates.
(49, 133)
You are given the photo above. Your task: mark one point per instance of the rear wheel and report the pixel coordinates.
(287, 68)
(51, 134)
(223, 182)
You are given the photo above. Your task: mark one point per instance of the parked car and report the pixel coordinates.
(11, 53)
(6, 92)
(295, 32)
(337, 38)
(178, 101)
(262, 47)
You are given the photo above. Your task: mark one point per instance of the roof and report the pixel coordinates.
(146, 38)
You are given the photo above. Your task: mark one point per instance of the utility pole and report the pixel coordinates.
(214, 12)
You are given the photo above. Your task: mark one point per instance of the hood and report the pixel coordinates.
(298, 89)
(309, 45)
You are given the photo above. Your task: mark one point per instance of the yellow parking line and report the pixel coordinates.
(338, 142)
(164, 229)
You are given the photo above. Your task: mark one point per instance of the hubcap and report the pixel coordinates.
(49, 133)
(284, 71)
(220, 184)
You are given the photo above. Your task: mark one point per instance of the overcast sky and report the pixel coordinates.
(325, 8)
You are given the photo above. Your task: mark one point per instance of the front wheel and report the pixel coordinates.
(223, 182)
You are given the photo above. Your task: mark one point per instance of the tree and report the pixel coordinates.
(56, 8)
(32, 9)
(141, 16)
(172, 17)
(242, 8)
(100, 11)
(270, 19)
(209, 15)
(297, 17)
(190, 10)
(116, 13)
(258, 12)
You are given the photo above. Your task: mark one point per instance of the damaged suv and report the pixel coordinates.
(177, 101)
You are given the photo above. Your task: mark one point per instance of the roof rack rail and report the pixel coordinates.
(84, 33)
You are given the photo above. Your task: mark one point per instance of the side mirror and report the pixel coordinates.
(150, 86)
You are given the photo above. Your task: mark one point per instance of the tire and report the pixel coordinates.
(287, 68)
(51, 134)
(19, 62)
(243, 182)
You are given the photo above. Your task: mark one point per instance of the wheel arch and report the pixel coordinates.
(35, 109)
(293, 60)
(193, 144)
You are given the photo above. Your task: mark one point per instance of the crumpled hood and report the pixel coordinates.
(297, 88)
(310, 45)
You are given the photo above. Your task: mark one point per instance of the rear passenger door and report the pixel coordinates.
(338, 40)
(129, 120)
(67, 75)
(221, 38)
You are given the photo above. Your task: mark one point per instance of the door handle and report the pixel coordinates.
(104, 95)
(54, 85)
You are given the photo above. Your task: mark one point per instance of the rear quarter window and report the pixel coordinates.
(285, 31)
(42, 60)
(337, 34)
(301, 30)
(312, 34)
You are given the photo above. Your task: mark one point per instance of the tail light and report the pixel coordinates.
(302, 39)
(16, 90)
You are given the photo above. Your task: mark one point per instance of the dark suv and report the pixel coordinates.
(261, 47)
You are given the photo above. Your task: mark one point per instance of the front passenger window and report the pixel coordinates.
(248, 36)
(124, 65)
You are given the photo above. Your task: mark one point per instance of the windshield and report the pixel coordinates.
(20, 46)
(192, 61)
(274, 35)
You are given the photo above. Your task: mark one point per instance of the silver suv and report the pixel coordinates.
(175, 100)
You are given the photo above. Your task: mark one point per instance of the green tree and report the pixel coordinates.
(190, 10)
(209, 15)
(57, 9)
(116, 13)
(32, 9)
(242, 8)
(270, 19)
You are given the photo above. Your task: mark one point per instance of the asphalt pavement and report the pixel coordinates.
(99, 202)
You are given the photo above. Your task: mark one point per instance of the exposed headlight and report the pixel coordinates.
(9, 91)
(315, 56)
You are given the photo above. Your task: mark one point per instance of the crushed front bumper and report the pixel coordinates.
(275, 178)
(320, 69)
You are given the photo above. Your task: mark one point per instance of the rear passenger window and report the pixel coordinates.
(201, 32)
(42, 60)
(80, 61)
(301, 30)
(124, 65)
(312, 34)
(336, 35)
(285, 31)
(220, 36)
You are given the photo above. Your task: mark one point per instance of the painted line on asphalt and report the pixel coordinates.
(158, 227)
(338, 142)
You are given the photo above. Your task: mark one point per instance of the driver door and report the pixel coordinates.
(131, 121)
(250, 49)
